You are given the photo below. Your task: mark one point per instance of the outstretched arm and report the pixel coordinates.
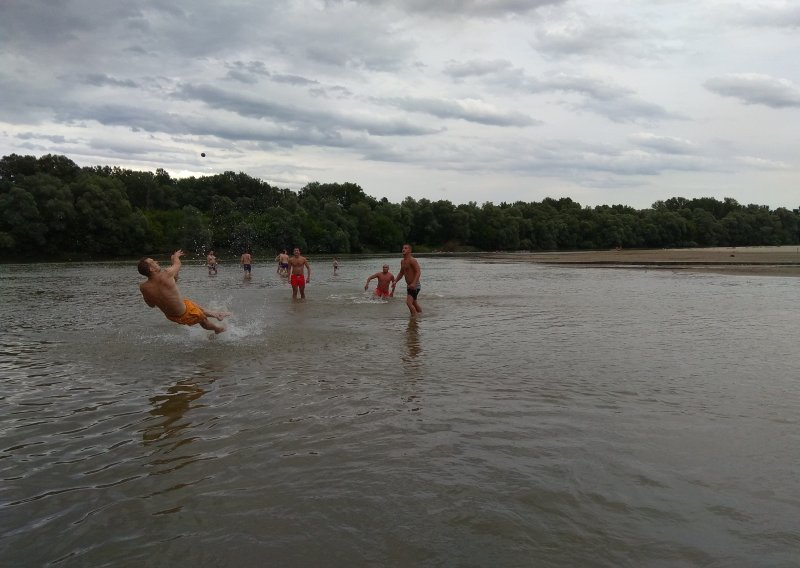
(176, 264)
(368, 280)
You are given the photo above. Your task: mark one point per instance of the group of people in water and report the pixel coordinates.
(160, 290)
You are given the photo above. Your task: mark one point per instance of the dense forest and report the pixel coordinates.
(52, 208)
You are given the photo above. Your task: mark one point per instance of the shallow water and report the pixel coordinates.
(533, 416)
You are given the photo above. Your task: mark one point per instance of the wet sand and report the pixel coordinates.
(768, 261)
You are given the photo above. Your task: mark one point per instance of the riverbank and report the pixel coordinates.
(768, 261)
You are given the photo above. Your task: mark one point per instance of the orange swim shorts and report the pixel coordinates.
(192, 316)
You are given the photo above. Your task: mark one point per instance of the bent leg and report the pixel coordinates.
(209, 325)
(214, 314)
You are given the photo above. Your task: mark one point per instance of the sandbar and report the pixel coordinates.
(766, 260)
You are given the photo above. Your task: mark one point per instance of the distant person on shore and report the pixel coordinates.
(335, 266)
(409, 267)
(297, 277)
(211, 263)
(384, 278)
(283, 263)
(160, 291)
(247, 264)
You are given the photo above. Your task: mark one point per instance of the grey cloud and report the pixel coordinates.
(334, 91)
(664, 144)
(615, 102)
(247, 72)
(387, 59)
(103, 80)
(134, 117)
(293, 80)
(257, 108)
(41, 22)
(254, 67)
(468, 8)
(754, 89)
(569, 158)
(581, 162)
(475, 67)
(593, 88)
(770, 15)
(462, 110)
(270, 135)
(50, 138)
(582, 38)
(241, 76)
(628, 109)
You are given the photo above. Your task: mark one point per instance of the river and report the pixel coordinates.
(533, 415)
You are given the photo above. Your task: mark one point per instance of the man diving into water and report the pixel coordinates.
(160, 291)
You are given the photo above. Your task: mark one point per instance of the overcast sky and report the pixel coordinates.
(607, 102)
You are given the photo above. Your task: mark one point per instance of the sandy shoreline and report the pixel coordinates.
(768, 261)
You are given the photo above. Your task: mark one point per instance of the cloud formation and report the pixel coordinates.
(477, 100)
(752, 89)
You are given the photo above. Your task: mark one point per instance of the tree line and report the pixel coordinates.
(50, 207)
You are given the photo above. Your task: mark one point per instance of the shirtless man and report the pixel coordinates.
(409, 267)
(247, 264)
(296, 264)
(160, 291)
(211, 262)
(283, 263)
(384, 279)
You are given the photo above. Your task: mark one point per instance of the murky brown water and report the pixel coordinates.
(534, 416)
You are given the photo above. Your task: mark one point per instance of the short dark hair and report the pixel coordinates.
(144, 266)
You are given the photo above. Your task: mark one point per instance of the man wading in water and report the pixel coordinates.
(409, 267)
(160, 291)
(297, 275)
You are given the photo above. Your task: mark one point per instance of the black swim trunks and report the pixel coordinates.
(413, 291)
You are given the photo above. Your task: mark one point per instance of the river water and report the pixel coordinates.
(532, 416)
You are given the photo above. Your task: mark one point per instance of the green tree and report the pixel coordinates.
(21, 225)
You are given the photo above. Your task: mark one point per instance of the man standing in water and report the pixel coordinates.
(297, 278)
(384, 279)
(160, 291)
(283, 263)
(211, 262)
(409, 267)
(247, 264)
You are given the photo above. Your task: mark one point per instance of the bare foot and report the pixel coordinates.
(220, 315)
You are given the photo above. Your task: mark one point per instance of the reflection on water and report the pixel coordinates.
(413, 347)
(172, 408)
(503, 428)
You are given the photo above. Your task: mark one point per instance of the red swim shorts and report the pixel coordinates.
(192, 316)
(382, 293)
(298, 280)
